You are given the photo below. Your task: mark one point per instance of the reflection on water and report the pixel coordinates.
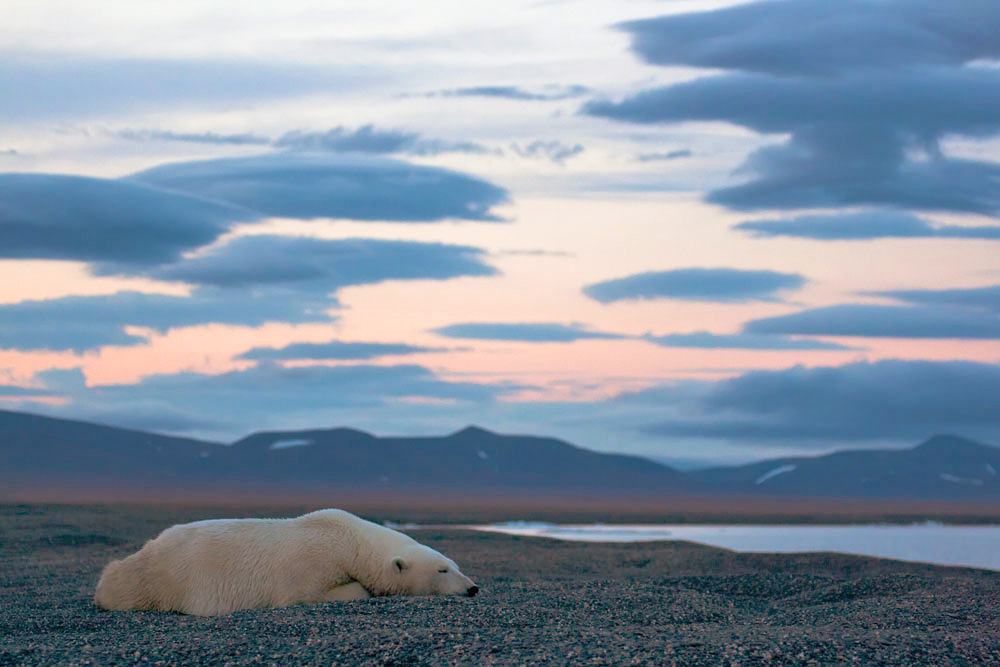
(972, 546)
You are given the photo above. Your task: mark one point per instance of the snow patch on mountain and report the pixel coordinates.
(780, 470)
(285, 444)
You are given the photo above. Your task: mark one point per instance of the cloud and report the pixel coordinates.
(369, 139)
(244, 139)
(352, 186)
(364, 139)
(816, 37)
(334, 349)
(322, 265)
(62, 380)
(668, 155)
(145, 220)
(553, 150)
(248, 281)
(976, 297)
(826, 167)
(720, 285)
(890, 399)
(52, 216)
(874, 224)
(706, 340)
(340, 139)
(866, 94)
(534, 332)
(548, 93)
(156, 416)
(534, 252)
(143, 415)
(81, 323)
(269, 395)
(74, 86)
(13, 391)
(274, 389)
(923, 102)
(939, 321)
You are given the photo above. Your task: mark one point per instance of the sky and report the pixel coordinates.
(700, 231)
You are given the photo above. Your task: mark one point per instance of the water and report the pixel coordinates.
(971, 546)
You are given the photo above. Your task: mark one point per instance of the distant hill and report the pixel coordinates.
(42, 456)
(473, 460)
(71, 455)
(37, 451)
(945, 467)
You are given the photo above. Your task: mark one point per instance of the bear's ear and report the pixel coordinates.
(399, 564)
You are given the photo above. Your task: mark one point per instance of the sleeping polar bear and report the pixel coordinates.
(216, 567)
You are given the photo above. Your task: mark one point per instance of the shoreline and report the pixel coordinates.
(452, 511)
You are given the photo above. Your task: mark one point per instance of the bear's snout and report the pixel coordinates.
(472, 590)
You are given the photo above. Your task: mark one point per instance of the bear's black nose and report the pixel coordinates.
(472, 590)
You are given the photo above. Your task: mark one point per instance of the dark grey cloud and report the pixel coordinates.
(556, 151)
(891, 399)
(976, 297)
(830, 166)
(321, 265)
(534, 332)
(335, 349)
(867, 320)
(721, 285)
(61, 86)
(309, 185)
(242, 139)
(547, 93)
(52, 216)
(923, 102)
(706, 340)
(80, 323)
(666, 155)
(874, 224)
(865, 114)
(817, 37)
(369, 139)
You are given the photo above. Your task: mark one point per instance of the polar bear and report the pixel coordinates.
(215, 567)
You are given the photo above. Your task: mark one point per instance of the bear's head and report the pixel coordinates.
(419, 570)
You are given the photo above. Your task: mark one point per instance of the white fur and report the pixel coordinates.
(216, 567)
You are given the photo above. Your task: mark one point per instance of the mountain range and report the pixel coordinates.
(944, 467)
(65, 456)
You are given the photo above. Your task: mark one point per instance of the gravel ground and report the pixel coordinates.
(543, 602)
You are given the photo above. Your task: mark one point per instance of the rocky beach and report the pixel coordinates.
(542, 602)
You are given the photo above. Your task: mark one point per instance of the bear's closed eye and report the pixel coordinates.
(444, 571)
